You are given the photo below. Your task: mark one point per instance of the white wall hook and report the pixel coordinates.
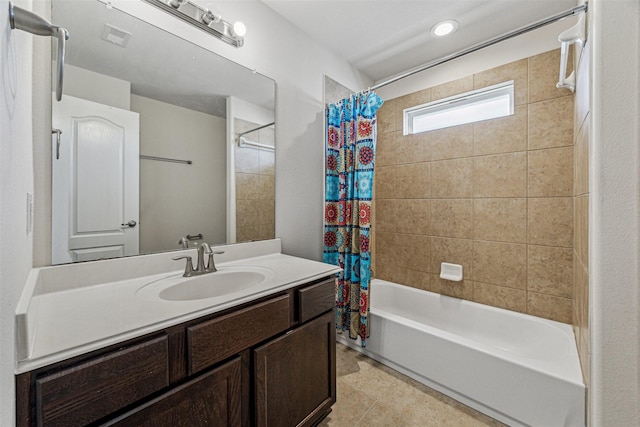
(568, 37)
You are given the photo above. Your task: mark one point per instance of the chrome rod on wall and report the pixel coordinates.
(253, 130)
(165, 159)
(21, 19)
(550, 20)
(244, 142)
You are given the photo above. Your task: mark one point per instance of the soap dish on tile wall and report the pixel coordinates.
(451, 272)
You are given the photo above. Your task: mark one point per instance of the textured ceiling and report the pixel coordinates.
(383, 38)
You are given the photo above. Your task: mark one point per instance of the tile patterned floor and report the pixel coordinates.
(384, 397)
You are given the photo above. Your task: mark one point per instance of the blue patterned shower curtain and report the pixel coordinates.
(351, 145)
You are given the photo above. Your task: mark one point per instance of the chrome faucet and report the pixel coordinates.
(184, 242)
(204, 247)
(200, 269)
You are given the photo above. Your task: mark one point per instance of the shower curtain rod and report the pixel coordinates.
(253, 130)
(522, 30)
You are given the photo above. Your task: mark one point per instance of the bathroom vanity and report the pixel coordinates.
(265, 357)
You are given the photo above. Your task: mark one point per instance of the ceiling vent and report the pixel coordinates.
(115, 35)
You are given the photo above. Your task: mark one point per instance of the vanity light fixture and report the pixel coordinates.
(205, 19)
(444, 28)
(239, 29)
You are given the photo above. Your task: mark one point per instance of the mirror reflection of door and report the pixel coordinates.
(95, 188)
(181, 92)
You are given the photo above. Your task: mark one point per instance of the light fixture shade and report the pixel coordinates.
(210, 16)
(239, 29)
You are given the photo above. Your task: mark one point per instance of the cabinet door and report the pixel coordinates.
(213, 399)
(295, 375)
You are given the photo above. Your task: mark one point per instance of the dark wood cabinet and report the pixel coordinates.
(295, 383)
(269, 362)
(88, 391)
(316, 299)
(212, 399)
(212, 341)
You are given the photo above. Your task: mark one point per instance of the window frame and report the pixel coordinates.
(485, 93)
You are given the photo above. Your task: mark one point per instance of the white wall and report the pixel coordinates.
(249, 112)
(194, 203)
(334, 91)
(615, 214)
(16, 179)
(96, 87)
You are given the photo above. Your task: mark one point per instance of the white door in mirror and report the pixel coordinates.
(95, 188)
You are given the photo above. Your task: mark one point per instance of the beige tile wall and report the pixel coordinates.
(255, 186)
(581, 215)
(495, 196)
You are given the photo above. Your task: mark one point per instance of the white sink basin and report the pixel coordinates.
(225, 282)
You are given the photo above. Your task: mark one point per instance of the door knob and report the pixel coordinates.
(130, 224)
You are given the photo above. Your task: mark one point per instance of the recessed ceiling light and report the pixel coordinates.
(444, 28)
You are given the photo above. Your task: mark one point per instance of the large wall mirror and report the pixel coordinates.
(158, 144)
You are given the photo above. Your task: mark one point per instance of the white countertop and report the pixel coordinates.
(58, 322)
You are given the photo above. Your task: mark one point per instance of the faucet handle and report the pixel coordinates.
(211, 266)
(188, 269)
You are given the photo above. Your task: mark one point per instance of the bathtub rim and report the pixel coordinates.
(574, 377)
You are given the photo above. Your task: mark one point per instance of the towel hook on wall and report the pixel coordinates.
(570, 36)
(21, 19)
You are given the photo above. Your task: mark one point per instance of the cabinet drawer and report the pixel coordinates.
(217, 339)
(213, 398)
(91, 390)
(316, 299)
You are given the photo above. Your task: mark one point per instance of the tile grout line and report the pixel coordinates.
(365, 413)
(376, 401)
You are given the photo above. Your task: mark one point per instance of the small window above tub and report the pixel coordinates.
(482, 104)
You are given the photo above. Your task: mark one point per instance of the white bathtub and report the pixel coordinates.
(520, 369)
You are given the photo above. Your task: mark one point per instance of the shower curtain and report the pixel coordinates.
(351, 144)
